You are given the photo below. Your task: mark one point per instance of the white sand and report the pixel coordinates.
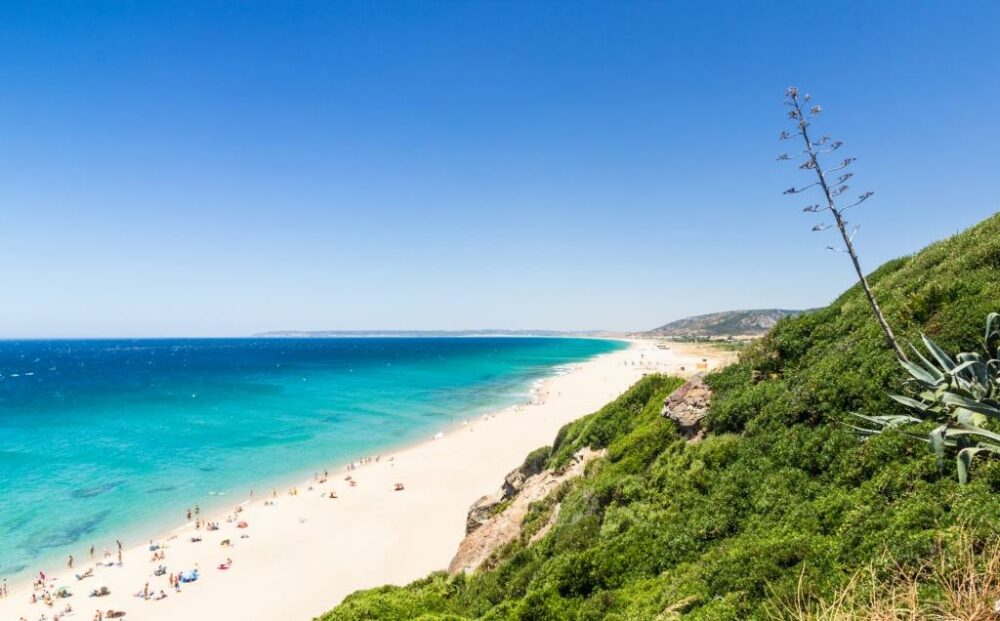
(307, 552)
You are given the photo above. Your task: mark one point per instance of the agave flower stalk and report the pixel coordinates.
(831, 190)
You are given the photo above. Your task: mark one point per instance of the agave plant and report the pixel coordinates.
(961, 394)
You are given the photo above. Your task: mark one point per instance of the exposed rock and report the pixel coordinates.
(480, 511)
(512, 483)
(484, 508)
(500, 527)
(687, 406)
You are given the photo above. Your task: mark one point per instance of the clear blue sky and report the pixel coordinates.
(221, 168)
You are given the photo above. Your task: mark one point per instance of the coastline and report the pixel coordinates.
(302, 555)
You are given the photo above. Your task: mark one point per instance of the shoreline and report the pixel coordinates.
(322, 549)
(216, 494)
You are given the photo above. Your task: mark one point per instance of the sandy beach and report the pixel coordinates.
(299, 555)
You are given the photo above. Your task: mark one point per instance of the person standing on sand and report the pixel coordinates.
(70, 563)
(3, 588)
(91, 552)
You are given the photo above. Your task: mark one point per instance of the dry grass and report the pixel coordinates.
(960, 583)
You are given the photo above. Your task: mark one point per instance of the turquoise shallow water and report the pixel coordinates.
(106, 439)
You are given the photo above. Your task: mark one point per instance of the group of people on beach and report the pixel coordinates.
(44, 586)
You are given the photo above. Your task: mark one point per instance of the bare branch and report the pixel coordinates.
(843, 165)
(860, 200)
(794, 190)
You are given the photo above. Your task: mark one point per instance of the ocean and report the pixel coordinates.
(115, 439)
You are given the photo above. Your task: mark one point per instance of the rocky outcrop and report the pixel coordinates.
(481, 511)
(487, 506)
(495, 521)
(687, 405)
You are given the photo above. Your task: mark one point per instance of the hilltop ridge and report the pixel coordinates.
(754, 322)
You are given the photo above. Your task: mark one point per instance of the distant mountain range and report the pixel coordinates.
(417, 333)
(728, 323)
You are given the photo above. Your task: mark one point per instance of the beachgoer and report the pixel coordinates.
(70, 563)
(197, 509)
(91, 552)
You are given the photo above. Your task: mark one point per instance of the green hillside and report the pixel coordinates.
(779, 502)
(727, 323)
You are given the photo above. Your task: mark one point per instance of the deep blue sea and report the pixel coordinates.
(109, 439)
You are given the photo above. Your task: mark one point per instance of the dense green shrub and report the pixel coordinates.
(779, 497)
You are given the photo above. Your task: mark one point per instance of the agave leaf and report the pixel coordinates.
(964, 460)
(920, 374)
(910, 402)
(939, 354)
(936, 438)
(888, 420)
(894, 420)
(978, 369)
(968, 417)
(963, 368)
(965, 456)
(971, 373)
(991, 319)
(953, 399)
(928, 365)
(970, 431)
(865, 431)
